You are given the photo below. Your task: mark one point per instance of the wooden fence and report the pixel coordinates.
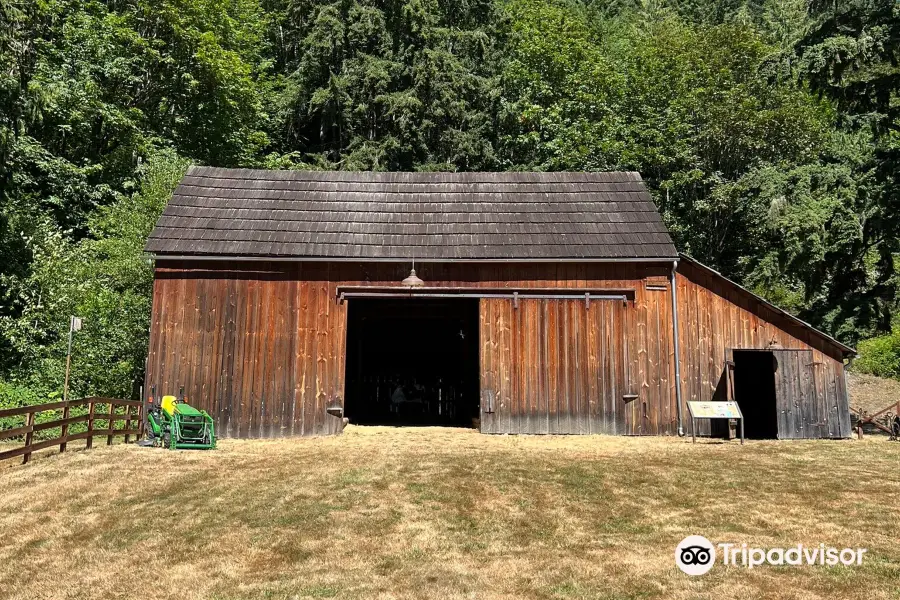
(104, 410)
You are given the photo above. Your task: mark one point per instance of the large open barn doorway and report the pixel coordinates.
(412, 361)
(754, 391)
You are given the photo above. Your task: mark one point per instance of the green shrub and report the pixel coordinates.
(880, 356)
(13, 395)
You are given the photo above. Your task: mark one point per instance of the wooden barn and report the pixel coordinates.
(284, 304)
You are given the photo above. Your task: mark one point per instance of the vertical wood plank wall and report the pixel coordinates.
(799, 414)
(558, 366)
(715, 315)
(261, 345)
(260, 349)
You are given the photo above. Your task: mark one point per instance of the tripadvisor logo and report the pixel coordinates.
(696, 555)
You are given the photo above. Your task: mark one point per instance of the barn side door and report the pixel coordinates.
(795, 394)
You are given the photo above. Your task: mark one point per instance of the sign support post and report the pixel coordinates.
(74, 325)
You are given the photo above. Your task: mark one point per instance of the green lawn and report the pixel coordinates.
(439, 513)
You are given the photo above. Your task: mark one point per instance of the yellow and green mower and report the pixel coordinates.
(173, 423)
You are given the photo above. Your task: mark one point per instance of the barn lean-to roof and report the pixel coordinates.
(250, 213)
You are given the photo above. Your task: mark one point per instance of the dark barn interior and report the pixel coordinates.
(412, 361)
(754, 390)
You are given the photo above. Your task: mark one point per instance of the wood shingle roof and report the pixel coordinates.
(404, 216)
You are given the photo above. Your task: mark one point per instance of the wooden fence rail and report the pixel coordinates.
(132, 419)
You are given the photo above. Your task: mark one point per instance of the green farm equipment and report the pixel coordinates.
(173, 423)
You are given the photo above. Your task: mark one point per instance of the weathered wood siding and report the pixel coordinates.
(556, 366)
(566, 366)
(260, 348)
(799, 412)
(715, 316)
(261, 345)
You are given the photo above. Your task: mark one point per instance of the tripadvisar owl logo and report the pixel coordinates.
(695, 555)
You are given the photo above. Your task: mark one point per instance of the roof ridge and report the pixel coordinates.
(404, 176)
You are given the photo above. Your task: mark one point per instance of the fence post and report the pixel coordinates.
(140, 416)
(127, 422)
(111, 423)
(90, 429)
(29, 422)
(64, 432)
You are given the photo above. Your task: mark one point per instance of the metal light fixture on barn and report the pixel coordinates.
(412, 279)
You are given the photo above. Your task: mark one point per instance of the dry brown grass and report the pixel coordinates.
(872, 393)
(435, 513)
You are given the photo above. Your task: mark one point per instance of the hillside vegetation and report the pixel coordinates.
(766, 131)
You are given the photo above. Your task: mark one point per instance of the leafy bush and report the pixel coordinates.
(13, 396)
(880, 356)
